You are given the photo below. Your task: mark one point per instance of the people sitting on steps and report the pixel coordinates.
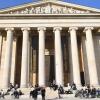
(82, 92)
(38, 91)
(2, 94)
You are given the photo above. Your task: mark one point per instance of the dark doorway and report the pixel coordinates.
(82, 78)
(52, 69)
(18, 60)
(34, 60)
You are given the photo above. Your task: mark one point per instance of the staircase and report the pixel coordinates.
(50, 94)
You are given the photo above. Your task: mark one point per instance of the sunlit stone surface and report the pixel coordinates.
(49, 41)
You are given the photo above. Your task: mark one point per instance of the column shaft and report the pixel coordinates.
(91, 57)
(24, 67)
(13, 62)
(75, 58)
(41, 76)
(8, 56)
(1, 39)
(58, 57)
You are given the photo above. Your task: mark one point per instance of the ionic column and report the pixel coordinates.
(58, 57)
(1, 39)
(41, 75)
(24, 67)
(75, 58)
(91, 57)
(13, 61)
(8, 57)
(0, 46)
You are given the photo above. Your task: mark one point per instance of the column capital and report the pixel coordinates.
(88, 28)
(73, 28)
(9, 29)
(25, 28)
(41, 28)
(57, 28)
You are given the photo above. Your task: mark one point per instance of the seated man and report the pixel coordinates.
(73, 86)
(20, 93)
(16, 94)
(2, 94)
(61, 90)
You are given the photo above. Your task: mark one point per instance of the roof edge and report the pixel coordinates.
(42, 2)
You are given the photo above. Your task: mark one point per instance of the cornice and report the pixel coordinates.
(50, 16)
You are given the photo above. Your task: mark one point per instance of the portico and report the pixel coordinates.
(42, 48)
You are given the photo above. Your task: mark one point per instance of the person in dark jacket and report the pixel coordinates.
(16, 94)
(43, 93)
(34, 94)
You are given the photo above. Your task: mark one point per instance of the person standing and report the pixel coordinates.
(35, 94)
(43, 93)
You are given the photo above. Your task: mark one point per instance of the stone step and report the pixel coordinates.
(51, 94)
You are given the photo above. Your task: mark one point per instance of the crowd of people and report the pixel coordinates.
(83, 92)
(36, 91)
(88, 92)
(14, 91)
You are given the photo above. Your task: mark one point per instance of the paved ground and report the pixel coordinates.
(26, 97)
(55, 99)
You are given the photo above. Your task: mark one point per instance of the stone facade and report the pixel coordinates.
(59, 46)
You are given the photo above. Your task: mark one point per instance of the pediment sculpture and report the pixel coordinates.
(48, 9)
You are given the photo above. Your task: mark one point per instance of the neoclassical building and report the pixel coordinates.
(49, 41)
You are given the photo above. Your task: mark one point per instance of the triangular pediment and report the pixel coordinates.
(49, 7)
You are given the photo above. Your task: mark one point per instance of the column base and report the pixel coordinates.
(78, 85)
(42, 85)
(95, 85)
(4, 86)
(24, 86)
(60, 84)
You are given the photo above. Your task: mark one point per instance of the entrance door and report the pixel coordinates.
(49, 69)
(52, 69)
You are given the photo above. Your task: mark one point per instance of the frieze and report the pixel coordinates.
(48, 9)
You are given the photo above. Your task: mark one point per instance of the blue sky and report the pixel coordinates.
(10, 3)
